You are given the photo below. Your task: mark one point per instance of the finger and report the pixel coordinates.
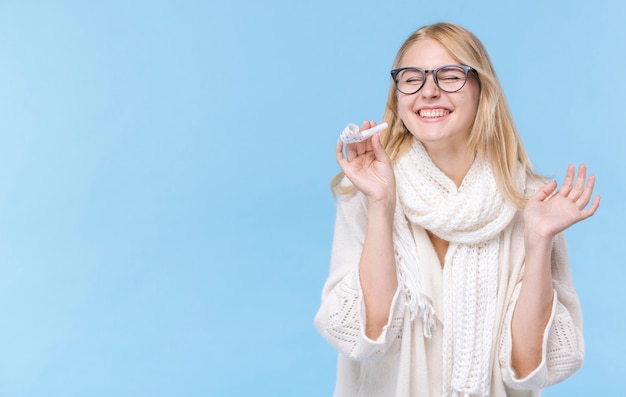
(367, 124)
(579, 187)
(378, 149)
(567, 183)
(351, 151)
(585, 196)
(370, 132)
(361, 147)
(545, 192)
(589, 211)
(339, 153)
(369, 144)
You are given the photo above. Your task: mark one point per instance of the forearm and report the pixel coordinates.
(377, 267)
(533, 307)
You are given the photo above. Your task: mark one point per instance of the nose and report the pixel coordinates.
(430, 89)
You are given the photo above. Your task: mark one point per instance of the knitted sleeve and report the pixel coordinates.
(563, 346)
(341, 316)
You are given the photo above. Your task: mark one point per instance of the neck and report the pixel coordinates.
(453, 161)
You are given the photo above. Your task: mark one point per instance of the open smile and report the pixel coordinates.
(432, 113)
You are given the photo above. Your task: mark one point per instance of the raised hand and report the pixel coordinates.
(548, 212)
(368, 167)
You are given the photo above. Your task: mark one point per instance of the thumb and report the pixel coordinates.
(545, 192)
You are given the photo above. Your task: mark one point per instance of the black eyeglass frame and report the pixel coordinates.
(395, 72)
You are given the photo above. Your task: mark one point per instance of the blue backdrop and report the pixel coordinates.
(165, 217)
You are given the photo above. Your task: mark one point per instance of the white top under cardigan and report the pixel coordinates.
(402, 362)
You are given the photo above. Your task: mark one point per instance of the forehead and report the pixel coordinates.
(427, 54)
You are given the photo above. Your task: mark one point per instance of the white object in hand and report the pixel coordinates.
(351, 133)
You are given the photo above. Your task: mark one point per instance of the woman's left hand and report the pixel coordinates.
(548, 213)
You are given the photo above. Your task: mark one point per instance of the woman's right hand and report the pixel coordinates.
(368, 167)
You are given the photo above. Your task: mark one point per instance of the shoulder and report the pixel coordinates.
(532, 184)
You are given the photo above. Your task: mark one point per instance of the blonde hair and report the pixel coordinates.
(493, 135)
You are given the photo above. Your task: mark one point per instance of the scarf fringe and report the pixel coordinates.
(418, 303)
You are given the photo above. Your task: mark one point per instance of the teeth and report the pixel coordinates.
(433, 113)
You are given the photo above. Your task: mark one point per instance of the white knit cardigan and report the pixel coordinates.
(402, 362)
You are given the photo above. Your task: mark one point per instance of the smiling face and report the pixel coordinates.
(437, 118)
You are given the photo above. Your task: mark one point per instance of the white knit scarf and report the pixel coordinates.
(470, 218)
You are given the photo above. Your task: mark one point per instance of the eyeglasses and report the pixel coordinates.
(448, 78)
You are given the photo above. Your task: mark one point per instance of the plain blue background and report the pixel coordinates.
(165, 217)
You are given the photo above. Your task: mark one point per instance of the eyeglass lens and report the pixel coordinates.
(449, 79)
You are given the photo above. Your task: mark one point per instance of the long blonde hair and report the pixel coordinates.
(493, 135)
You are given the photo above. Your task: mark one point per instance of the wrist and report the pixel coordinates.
(537, 240)
(538, 249)
(385, 206)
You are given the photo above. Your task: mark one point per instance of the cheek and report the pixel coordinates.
(404, 107)
(475, 97)
(474, 109)
(470, 104)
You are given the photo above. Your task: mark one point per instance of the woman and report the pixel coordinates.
(449, 273)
